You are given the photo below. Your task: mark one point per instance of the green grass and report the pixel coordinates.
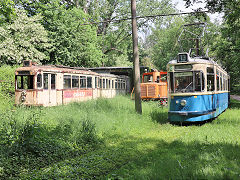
(106, 139)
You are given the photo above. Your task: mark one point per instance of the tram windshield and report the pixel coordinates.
(24, 82)
(188, 82)
(147, 78)
(164, 77)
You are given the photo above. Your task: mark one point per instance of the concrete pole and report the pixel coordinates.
(138, 103)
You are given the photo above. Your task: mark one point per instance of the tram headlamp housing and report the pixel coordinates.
(183, 102)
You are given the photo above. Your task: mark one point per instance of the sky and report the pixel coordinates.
(181, 6)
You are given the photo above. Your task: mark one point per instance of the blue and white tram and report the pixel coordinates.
(198, 89)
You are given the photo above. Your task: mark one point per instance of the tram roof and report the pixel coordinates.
(203, 60)
(57, 69)
(111, 75)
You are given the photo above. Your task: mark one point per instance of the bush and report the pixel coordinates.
(27, 144)
(7, 80)
(7, 86)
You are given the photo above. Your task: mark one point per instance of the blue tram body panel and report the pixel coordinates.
(197, 108)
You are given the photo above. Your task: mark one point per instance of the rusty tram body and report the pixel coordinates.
(154, 86)
(50, 85)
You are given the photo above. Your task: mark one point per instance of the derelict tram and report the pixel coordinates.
(198, 89)
(49, 85)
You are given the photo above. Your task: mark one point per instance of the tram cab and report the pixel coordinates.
(154, 86)
(197, 88)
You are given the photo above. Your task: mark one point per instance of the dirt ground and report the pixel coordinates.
(235, 97)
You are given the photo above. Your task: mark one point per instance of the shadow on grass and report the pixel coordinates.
(163, 160)
(234, 104)
(160, 117)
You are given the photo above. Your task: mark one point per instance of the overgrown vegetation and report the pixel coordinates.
(106, 138)
(7, 81)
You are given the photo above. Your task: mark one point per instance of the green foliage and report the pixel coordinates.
(26, 143)
(7, 87)
(73, 44)
(7, 79)
(226, 44)
(23, 40)
(116, 40)
(7, 11)
(165, 46)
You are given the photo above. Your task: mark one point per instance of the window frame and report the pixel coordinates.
(69, 78)
(78, 78)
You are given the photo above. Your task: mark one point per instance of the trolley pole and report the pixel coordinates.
(138, 103)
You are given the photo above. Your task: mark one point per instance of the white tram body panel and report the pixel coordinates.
(51, 85)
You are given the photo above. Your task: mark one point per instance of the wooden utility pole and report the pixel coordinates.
(138, 103)
(77, 3)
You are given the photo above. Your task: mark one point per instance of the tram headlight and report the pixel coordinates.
(183, 102)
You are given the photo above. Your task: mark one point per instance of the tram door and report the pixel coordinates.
(49, 85)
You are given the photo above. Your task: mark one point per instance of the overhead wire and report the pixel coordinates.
(142, 17)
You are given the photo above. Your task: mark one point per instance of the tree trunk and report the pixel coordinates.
(138, 103)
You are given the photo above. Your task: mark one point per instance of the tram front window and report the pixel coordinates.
(24, 82)
(188, 82)
(164, 77)
(184, 82)
(147, 78)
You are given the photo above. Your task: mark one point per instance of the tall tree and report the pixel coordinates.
(138, 105)
(24, 39)
(72, 44)
(6, 10)
(116, 37)
(227, 45)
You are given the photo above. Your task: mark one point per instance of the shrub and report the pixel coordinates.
(7, 80)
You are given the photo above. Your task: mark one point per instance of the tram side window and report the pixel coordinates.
(198, 81)
(226, 84)
(171, 82)
(89, 82)
(112, 84)
(107, 85)
(221, 81)
(119, 84)
(104, 83)
(100, 83)
(83, 82)
(24, 82)
(109, 82)
(53, 81)
(210, 79)
(124, 84)
(96, 85)
(218, 81)
(67, 81)
(75, 81)
(39, 81)
(115, 84)
(45, 81)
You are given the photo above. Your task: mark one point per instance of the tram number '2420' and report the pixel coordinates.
(83, 93)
